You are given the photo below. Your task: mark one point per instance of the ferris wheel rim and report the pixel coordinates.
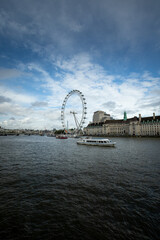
(84, 108)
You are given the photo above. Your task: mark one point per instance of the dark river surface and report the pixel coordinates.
(55, 189)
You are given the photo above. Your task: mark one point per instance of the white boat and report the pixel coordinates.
(96, 142)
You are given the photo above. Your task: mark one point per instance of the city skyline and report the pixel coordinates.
(108, 50)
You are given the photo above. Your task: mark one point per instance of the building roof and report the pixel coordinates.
(145, 119)
(99, 111)
(150, 118)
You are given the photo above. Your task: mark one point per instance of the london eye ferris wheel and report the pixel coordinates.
(74, 104)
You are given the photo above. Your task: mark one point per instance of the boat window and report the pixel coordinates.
(90, 141)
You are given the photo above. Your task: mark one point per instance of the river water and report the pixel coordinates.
(55, 189)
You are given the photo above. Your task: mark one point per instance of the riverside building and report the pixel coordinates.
(136, 126)
(100, 116)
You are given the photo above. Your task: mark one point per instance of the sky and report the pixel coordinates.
(107, 49)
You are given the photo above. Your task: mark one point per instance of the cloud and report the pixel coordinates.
(110, 105)
(113, 25)
(4, 99)
(40, 104)
(3, 114)
(6, 73)
(151, 105)
(12, 118)
(10, 108)
(16, 96)
(32, 119)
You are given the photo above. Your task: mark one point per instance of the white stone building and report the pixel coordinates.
(136, 126)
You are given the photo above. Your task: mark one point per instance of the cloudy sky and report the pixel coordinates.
(107, 49)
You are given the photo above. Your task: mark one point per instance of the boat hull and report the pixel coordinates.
(61, 137)
(97, 144)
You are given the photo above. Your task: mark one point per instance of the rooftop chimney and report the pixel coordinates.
(154, 116)
(139, 118)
